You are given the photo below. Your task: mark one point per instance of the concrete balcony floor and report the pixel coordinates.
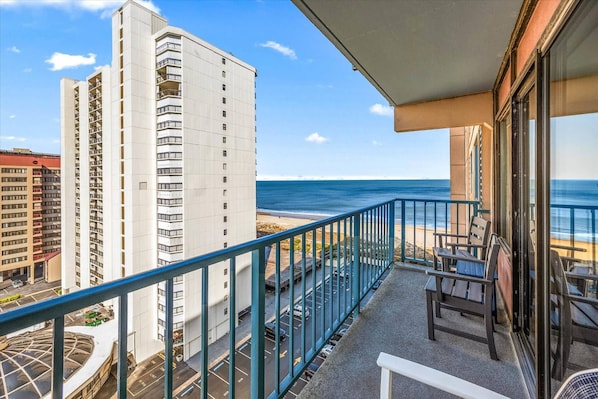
(394, 321)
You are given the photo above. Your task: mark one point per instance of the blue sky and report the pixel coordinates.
(316, 117)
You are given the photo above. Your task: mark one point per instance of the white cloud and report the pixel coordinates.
(96, 68)
(383, 110)
(14, 49)
(284, 50)
(316, 138)
(105, 6)
(62, 61)
(13, 138)
(27, 70)
(376, 143)
(12, 116)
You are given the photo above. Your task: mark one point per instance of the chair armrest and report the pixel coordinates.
(461, 277)
(456, 244)
(568, 248)
(459, 257)
(593, 277)
(451, 235)
(583, 299)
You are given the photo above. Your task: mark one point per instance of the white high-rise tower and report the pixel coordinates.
(158, 155)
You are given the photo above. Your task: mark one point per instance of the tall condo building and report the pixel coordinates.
(159, 166)
(30, 214)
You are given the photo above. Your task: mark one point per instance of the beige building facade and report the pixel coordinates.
(30, 214)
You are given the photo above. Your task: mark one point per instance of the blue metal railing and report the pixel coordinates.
(421, 218)
(577, 226)
(347, 254)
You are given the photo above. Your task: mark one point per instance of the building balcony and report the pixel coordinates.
(37, 216)
(168, 77)
(168, 62)
(37, 199)
(168, 93)
(168, 46)
(330, 274)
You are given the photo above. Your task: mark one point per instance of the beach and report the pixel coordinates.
(422, 238)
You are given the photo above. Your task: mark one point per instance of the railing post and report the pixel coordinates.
(232, 316)
(403, 231)
(204, 332)
(391, 221)
(168, 336)
(58, 358)
(356, 297)
(122, 366)
(258, 281)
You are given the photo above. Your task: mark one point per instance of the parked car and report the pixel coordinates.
(339, 334)
(311, 370)
(377, 285)
(17, 283)
(298, 311)
(270, 332)
(344, 273)
(326, 350)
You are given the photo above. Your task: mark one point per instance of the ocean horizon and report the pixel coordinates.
(318, 199)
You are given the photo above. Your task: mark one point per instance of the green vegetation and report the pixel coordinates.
(11, 298)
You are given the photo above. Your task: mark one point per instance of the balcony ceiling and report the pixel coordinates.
(419, 50)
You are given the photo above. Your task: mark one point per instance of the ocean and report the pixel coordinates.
(321, 198)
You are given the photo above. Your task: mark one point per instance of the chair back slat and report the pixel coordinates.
(491, 257)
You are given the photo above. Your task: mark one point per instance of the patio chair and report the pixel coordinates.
(465, 245)
(464, 294)
(573, 315)
(583, 384)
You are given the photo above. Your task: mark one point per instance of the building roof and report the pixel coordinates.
(28, 158)
(419, 51)
(26, 362)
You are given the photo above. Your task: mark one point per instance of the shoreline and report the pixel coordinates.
(423, 236)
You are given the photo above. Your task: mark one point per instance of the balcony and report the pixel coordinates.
(168, 93)
(330, 274)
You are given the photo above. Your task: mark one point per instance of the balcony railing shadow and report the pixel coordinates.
(394, 321)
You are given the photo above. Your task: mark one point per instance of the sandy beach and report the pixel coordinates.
(421, 237)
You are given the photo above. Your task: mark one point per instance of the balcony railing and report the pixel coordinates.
(330, 266)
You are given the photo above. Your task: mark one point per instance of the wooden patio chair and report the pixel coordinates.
(574, 316)
(463, 245)
(464, 294)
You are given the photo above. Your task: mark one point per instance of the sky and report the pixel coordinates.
(316, 117)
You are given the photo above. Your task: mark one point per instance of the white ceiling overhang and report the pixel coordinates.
(417, 51)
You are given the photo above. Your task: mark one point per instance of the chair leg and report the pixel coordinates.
(490, 335)
(430, 316)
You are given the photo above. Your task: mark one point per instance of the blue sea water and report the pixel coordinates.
(332, 197)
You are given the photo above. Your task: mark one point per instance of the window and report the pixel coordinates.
(224, 166)
(225, 205)
(224, 137)
(224, 179)
(226, 284)
(225, 271)
(223, 100)
(223, 153)
(225, 219)
(225, 232)
(225, 311)
(224, 114)
(223, 60)
(223, 87)
(225, 245)
(224, 127)
(224, 74)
